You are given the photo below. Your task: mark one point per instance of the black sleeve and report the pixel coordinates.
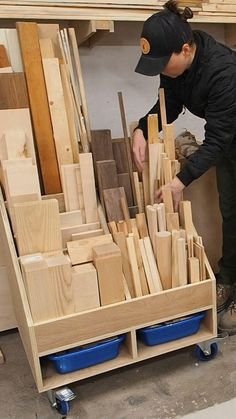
(220, 127)
(173, 106)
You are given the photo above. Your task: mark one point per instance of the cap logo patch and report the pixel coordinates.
(145, 46)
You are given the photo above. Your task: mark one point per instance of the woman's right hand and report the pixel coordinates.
(139, 148)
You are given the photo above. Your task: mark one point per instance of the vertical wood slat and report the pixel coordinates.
(29, 42)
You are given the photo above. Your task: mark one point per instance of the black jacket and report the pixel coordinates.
(208, 90)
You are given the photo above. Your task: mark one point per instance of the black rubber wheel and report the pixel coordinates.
(203, 357)
(63, 407)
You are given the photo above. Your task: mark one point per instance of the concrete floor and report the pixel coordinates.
(165, 387)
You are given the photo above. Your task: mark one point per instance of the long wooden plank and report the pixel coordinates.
(163, 257)
(13, 91)
(134, 266)
(39, 106)
(57, 110)
(13, 48)
(70, 186)
(120, 240)
(38, 227)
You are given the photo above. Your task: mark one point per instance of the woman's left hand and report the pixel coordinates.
(176, 187)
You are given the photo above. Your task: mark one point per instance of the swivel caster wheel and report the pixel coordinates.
(62, 407)
(208, 354)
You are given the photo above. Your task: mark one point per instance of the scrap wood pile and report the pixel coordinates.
(129, 10)
(70, 261)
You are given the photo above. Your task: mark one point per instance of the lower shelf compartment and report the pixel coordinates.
(52, 379)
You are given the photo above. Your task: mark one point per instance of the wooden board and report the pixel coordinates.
(101, 146)
(80, 251)
(88, 187)
(4, 61)
(57, 108)
(38, 227)
(182, 261)
(172, 220)
(124, 180)
(142, 225)
(69, 219)
(13, 145)
(71, 233)
(120, 155)
(107, 259)
(29, 42)
(18, 120)
(120, 240)
(70, 186)
(13, 48)
(106, 176)
(85, 287)
(163, 257)
(134, 266)
(112, 203)
(14, 93)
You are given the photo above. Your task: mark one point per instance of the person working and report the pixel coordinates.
(198, 73)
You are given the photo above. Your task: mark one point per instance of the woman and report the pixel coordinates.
(200, 74)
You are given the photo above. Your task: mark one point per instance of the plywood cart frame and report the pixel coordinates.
(40, 339)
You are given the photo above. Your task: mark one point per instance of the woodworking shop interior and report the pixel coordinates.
(107, 298)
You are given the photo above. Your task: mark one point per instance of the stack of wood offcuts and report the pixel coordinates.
(70, 261)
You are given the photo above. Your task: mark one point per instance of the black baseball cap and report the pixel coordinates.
(163, 33)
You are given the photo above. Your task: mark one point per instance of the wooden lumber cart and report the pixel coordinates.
(128, 317)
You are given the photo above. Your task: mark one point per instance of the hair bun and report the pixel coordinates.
(187, 14)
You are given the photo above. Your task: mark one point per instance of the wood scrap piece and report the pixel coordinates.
(190, 245)
(57, 110)
(38, 227)
(87, 234)
(146, 188)
(13, 48)
(46, 48)
(126, 289)
(152, 223)
(112, 228)
(80, 251)
(200, 254)
(30, 49)
(172, 220)
(38, 287)
(106, 176)
(159, 164)
(186, 218)
(163, 257)
(75, 55)
(4, 60)
(142, 225)
(134, 266)
(50, 31)
(120, 155)
(107, 260)
(194, 270)
(162, 107)
(71, 113)
(133, 211)
(161, 216)
(13, 91)
(101, 146)
(13, 145)
(152, 264)
(153, 162)
(147, 269)
(80, 192)
(17, 120)
(113, 204)
(120, 240)
(85, 287)
(88, 187)
(122, 227)
(167, 199)
(153, 130)
(182, 262)
(143, 281)
(169, 140)
(69, 219)
(70, 186)
(167, 170)
(125, 211)
(127, 145)
(124, 180)
(71, 233)
(175, 270)
(138, 192)
(60, 199)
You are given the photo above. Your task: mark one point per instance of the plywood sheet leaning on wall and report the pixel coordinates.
(29, 42)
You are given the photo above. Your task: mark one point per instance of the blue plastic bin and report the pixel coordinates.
(83, 357)
(166, 332)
